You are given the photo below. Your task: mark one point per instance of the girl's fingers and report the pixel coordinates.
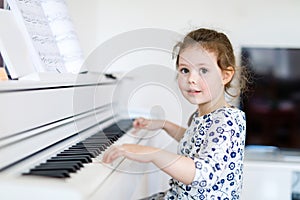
(131, 151)
(142, 123)
(112, 154)
(139, 123)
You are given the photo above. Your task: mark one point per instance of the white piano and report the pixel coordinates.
(53, 133)
(52, 138)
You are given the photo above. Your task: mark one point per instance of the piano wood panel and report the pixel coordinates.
(29, 107)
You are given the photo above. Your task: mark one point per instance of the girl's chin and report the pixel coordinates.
(193, 101)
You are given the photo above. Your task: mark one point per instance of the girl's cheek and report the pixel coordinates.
(179, 79)
(180, 83)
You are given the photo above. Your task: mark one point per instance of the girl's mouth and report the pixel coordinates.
(193, 92)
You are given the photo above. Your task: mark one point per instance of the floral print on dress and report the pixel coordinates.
(215, 142)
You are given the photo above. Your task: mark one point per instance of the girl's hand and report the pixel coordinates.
(149, 124)
(131, 151)
(179, 167)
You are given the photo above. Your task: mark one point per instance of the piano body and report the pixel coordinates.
(52, 137)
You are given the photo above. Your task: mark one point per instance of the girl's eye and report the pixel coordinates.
(184, 70)
(203, 70)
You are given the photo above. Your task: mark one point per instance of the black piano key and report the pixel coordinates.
(88, 151)
(51, 173)
(78, 153)
(54, 167)
(83, 160)
(94, 149)
(95, 142)
(76, 163)
(98, 148)
(83, 150)
(87, 157)
(91, 146)
(56, 164)
(88, 147)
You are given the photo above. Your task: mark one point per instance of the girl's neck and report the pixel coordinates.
(204, 109)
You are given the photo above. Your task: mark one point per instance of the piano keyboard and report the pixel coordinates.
(73, 159)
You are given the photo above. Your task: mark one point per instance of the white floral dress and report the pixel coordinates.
(216, 143)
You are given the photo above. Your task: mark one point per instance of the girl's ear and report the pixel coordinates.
(227, 74)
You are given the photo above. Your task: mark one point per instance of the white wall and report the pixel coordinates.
(270, 22)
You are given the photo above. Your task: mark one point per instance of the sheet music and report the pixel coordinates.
(43, 44)
(64, 33)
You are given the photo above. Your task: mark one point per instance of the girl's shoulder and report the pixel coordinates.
(226, 111)
(231, 115)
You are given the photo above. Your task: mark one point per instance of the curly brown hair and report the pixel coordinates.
(219, 44)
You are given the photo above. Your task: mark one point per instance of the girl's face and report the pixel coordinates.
(200, 79)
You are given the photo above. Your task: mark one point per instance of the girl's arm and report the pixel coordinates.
(179, 167)
(172, 129)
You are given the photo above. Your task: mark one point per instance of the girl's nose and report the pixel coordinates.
(192, 78)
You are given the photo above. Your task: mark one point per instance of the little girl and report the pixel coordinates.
(209, 160)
